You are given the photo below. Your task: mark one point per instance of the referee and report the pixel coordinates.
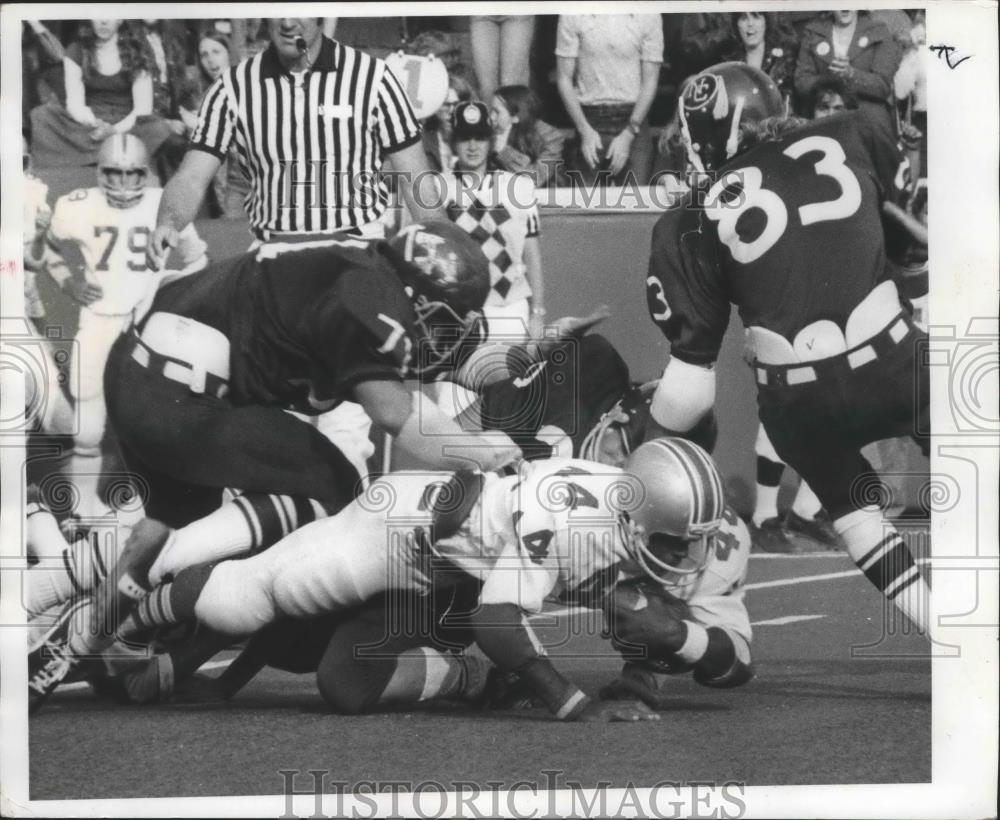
(312, 121)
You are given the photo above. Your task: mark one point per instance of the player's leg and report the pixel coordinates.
(807, 517)
(829, 458)
(485, 35)
(516, 33)
(42, 538)
(766, 528)
(391, 652)
(93, 342)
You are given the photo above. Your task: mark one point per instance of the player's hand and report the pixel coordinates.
(590, 147)
(619, 151)
(635, 682)
(569, 326)
(178, 127)
(616, 711)
(82, 291)
(164, 238)
(43, 218)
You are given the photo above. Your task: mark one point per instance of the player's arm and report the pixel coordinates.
(427, 434)
(64, 260)
(686, 300)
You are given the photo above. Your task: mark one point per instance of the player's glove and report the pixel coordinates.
(636, 682)
(643, 621)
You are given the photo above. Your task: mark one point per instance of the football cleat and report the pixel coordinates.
(819, 528)
(123, 170)
(771, 536)
(50, 661)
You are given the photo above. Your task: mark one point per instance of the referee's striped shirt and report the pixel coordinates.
(310, 144)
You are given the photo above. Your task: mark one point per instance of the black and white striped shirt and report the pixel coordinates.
(311, 143)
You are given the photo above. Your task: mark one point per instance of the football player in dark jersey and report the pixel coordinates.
(790, 231)
(197, 395)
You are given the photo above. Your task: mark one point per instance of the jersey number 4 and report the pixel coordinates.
(727, 212)
(138, 240)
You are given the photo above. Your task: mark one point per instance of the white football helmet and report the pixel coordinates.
(678, 506)
(122, 170)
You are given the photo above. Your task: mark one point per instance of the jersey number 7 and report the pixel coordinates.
(727, 212)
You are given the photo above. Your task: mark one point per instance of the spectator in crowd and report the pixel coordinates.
(523, 143)
(703, 40)
(436, 133)
(501, 46)
(857, 48)
(830, 95)
(608, 67)
(41, 66)
(762, 42)
(499, 210)
(437, 44)
(911, 93)
(167, 67)
(109, 90)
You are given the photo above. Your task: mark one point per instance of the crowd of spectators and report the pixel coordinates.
(572, 97)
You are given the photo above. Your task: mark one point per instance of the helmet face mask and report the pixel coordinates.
(670, 560)
(442, 333)
(122, 170)
(447, 278)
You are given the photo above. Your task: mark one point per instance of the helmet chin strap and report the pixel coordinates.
(734, 130)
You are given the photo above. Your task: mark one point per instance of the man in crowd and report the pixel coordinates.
(791, 232)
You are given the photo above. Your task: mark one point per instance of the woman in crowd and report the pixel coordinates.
(436, 134)
(761, 42)
(523, 143)
(857, 48)
(501, 48)
(109, 90)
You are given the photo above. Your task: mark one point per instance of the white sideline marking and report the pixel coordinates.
(786, 619)
(804, 579)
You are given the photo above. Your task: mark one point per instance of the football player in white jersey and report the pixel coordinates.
(564, 529)
(97, 254)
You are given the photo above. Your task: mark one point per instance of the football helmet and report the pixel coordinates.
(716, 102)
(678, 504)
(447, 278)
(626, 422)
(122, 170)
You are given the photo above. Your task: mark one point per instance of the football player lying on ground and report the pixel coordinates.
(577, 531)
(197, 394)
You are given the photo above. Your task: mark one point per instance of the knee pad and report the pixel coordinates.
(234, 600)
(92, 416)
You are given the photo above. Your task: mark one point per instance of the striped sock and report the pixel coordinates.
(85, 563)
(882, 555)
(245, 525)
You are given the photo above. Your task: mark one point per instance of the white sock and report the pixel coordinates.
(224, 533)
(85, 472)
(806, 503)
(43, 538)
(767, 504)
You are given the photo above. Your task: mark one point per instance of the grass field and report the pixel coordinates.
(837, 699)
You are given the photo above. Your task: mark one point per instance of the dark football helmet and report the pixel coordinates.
(447, 277)
(716, 102)
(678, 506)
(122, 169)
